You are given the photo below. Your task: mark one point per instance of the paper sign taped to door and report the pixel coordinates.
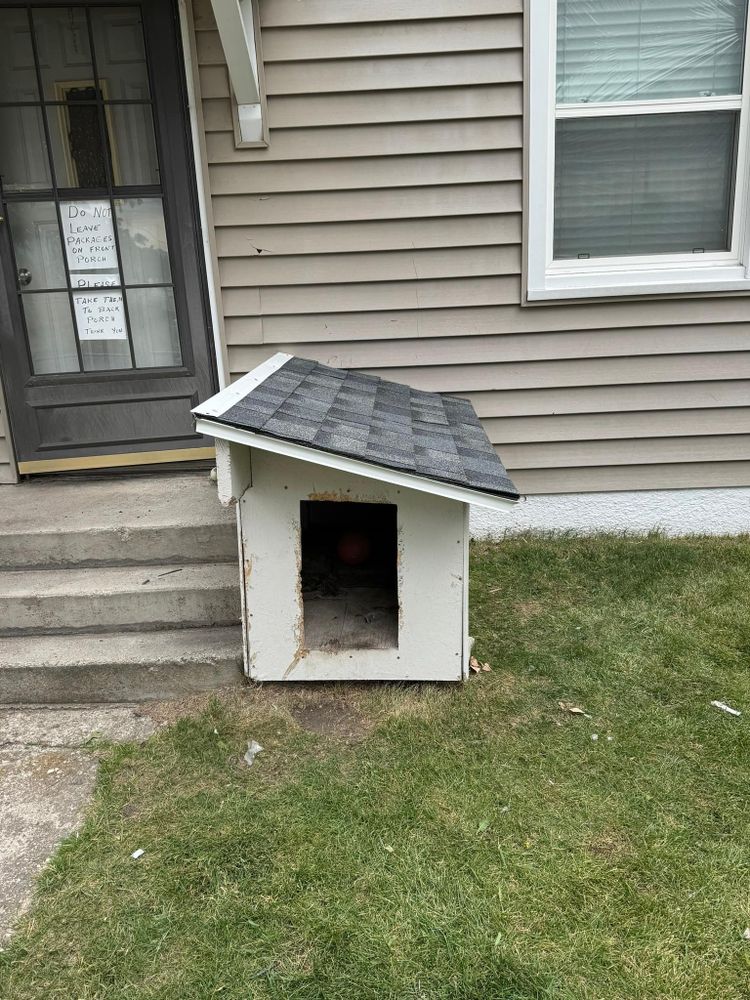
(89, 236)
(100, 316)
(107, 279)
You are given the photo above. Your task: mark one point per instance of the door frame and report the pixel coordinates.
(189, 124)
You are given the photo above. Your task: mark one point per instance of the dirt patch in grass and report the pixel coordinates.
(332, 718)
(167, 713)
(609, 846)
(331, 710)
(524, 610)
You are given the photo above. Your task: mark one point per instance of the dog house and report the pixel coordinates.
(352, 498)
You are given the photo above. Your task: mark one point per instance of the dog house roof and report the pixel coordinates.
(431, 436)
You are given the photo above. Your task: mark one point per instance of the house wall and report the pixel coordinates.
(7, 462)
(382, 230)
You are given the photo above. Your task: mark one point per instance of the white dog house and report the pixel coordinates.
(353, 496)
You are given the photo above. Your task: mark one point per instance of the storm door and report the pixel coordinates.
(104, 340)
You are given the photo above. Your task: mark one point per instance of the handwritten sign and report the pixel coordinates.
(100, 316)
(104, 280)
(89, 236)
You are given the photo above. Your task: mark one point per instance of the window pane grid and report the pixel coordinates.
(611, 50)
(143, 278)
(37, 68)
(645, 158)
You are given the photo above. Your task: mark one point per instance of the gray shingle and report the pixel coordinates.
(431, 434)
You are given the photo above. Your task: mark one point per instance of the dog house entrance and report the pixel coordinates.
(349, 575)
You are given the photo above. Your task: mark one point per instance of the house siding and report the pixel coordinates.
(7, 463)
(382, 230)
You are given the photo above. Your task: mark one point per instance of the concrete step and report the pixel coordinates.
(118, 598)
(122, 521)
(111, 667)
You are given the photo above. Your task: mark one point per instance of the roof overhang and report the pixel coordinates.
(207, 421)
(205, 425)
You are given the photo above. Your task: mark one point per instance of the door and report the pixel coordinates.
(104, 338)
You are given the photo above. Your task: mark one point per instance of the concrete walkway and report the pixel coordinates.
(46, 782)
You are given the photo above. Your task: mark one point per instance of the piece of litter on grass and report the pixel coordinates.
(136, 854)
(746, 934)
(253, 749)
(595, 737)
(475, 665)
(568, 706)
(387, 847)
(722, 706)
(505, 809)
(483, 826)
(487, 669)
(499, 938)
(216, 732)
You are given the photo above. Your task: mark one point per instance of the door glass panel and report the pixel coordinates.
(102, 329)
(143, 241)
(24, 165)
(49, 329)
(95, 112)
(120, 53)
(77, 149)
(105, 355)
(89, 242)
(36, 240)
(132, 144)
(153, 323)
(17, 73)
(62, 40)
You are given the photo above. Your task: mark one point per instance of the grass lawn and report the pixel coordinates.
(474, 843)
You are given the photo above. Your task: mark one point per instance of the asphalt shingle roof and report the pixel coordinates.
(431, 434)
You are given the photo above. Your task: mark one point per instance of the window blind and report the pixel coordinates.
(625, 50)
(644, 184)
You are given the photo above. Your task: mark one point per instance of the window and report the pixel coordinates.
(638, 147)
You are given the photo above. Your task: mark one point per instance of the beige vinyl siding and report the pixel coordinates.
(7, 463)
(382, 229)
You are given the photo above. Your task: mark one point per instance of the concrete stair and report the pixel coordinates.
(117, 589)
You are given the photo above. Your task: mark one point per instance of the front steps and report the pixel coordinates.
(121, 589)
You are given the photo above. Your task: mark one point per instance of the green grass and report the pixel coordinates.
(475, 844)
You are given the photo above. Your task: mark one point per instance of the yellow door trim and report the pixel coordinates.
(114, 461)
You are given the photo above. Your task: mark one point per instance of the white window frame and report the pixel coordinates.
(615, 276)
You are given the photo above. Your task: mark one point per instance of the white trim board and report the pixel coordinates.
(187, 36)
(225, 400)
(715, 511)
(355, 467)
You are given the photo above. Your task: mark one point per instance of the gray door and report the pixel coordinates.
(104, 336)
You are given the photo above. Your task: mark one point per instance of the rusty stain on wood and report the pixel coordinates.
(345, 496)
(299, 620)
